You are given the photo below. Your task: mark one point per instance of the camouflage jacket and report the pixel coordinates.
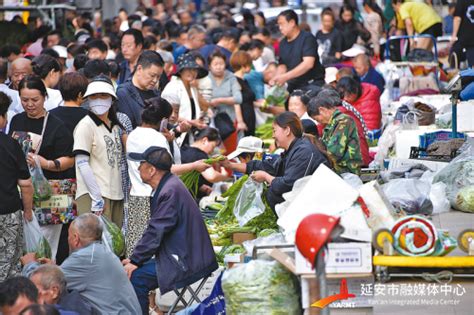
(342, 142)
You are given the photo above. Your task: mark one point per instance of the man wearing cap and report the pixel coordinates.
(133, 93)
(176, 234)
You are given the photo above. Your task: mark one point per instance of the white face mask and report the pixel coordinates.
(100, 106)
(69, 63)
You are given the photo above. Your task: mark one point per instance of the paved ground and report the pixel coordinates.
(440, 304)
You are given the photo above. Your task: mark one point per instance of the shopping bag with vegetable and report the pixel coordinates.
(249, 204)
(112, 236)
(260, 287)
(35, 242)
(277, 96)
(459, 178)
(41, 188)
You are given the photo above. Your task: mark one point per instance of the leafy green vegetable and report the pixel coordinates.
(191, 181)
(43, 250)
(227, 213)
(277, 96)
(267, 232)
(114, 236)
(260, 287)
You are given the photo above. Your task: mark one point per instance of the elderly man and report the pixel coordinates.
(340, 134)
(19, 69)
(367, 73)
(51, 284)
(196, 40)
(176, 235)
(93, 271)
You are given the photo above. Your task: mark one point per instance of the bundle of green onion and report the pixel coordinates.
(191, 179)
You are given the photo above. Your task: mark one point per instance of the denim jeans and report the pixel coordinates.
(144, 280)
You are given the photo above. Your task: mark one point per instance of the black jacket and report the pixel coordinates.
(131, 103)
(301, 159)
(177, 236)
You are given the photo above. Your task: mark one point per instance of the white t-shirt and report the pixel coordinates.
(306, 116)
(53, 100)
(15, 106)
(138, 141)
(104, 148)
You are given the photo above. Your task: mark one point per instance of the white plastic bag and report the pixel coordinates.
(112, 236)
(34, 240)
(439, 198)
(249, 204)
(410, 195)
(352, 179)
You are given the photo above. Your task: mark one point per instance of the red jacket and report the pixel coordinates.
(368, 104)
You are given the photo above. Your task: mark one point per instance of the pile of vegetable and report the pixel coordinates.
(191, 179)
(265, 131)
(225, 224)
(260, 287)
(226, 250)
(112, 236)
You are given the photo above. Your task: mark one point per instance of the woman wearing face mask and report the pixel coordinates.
(301, 158)
(98, 148)
(49, 69)
(51, 145)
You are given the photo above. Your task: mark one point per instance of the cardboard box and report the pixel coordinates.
(341, 258)
(239, 238)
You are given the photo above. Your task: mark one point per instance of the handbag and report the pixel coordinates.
(224, 124)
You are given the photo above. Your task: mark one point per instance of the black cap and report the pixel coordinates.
(156, 156)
